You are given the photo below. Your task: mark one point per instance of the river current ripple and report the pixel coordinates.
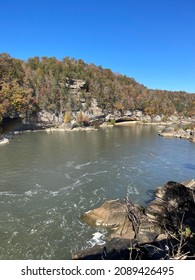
(48, 180)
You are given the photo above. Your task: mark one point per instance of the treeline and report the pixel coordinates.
(44, 83)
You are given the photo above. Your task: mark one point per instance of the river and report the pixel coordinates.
(48, 180)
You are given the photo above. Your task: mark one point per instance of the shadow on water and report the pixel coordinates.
(190, 166)
(150, 195)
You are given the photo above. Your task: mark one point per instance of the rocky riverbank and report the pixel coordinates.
(182, 133)
(165, 229)
(65, 128)
(93, 118)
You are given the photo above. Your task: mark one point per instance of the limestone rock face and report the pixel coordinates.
(173, 118)
(157, 118)
(128, 113)
(47, 117)
(95, 109)
(147, 119)
(75, 84)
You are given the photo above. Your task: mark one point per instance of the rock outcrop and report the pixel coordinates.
(174, 204)
(45, 118)
(114, 214)
(188, 134)
(168, 219)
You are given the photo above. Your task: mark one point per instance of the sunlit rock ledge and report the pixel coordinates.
(88, 128)
(188, 134)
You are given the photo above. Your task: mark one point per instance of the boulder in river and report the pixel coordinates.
(113, 214)
(167, 221)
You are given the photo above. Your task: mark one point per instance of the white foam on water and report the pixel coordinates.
(132, 190)
(77, 183)
(82, 199)
(63, 224)
(67, 176)
(31, 192)
(38, 186)
(97, 239)
(52, 193)
(52, 211)
(15, 233)
(88, 212)
(7, 193)
(85, 164)
(33, 231)
(82, 165)
(70, 163)
(50, 221)
(99, 172)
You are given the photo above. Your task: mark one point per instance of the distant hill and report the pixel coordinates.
(47, 83)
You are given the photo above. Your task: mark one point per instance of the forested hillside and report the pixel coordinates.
(45, 83)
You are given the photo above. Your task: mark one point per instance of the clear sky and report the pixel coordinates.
(152, 41)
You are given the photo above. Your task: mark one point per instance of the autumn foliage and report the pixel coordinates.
(41, 83)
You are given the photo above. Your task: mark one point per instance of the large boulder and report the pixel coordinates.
(124, 220)
(173, 119)
(109, 214)
(128, 113)
(114, 214)
(147, 119)
(157, 119)
(167, 222)
(173, 205)
(167, 131)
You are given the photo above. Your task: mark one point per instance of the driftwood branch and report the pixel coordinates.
(132, 215)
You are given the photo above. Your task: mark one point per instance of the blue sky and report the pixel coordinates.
(152, 41)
